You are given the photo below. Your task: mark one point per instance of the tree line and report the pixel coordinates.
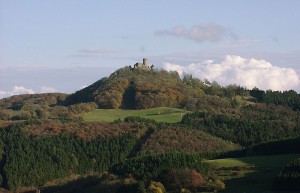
(286, 98)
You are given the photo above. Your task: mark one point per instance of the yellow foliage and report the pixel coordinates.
(219, 185)
(156, 187)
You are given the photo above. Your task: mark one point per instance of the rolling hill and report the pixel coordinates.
(127, 129)
(129, 88)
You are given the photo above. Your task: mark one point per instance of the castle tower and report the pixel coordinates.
(145, 62)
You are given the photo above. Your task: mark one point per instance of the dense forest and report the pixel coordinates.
(43, 137)
(250, 125)
(32, 160)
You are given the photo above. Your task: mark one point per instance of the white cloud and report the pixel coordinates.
(3, 94)
(83, 86)
(16, 91)
(22, 90)
(210, 32)
(45, 89)
(242, 71)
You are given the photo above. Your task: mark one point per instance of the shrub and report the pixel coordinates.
(156, 187)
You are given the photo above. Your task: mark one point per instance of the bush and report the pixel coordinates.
(156, 187)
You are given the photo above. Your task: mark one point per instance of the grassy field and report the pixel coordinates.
(161, 114)
(250, 174)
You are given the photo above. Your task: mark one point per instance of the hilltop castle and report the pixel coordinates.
(143, 66)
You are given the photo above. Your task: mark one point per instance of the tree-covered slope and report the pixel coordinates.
(17, 102)
(31, 160)
(140, 89)
(131, 88)
(248, 125)
(168, 138)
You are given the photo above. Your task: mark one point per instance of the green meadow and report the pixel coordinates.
(250, 174)
(161, 114)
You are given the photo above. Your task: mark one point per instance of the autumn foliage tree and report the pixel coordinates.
(184, 178)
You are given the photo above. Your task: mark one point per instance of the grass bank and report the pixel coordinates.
(250, 174)
(161, 114)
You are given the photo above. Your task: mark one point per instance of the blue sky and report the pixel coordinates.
(56, 45)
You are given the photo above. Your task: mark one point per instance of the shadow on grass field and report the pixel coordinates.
(250, 174)
(161, 114)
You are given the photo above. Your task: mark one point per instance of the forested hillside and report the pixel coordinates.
(139, 89)
(44, 139)
(167, 138)
(249, 125)
(32, 161)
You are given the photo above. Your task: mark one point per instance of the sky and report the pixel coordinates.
(63, 46)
